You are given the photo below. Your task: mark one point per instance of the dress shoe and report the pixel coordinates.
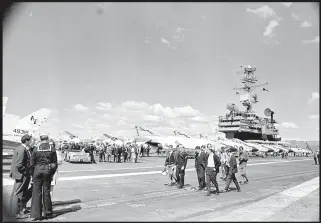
(49, 216)
(25, 211)
(21, 216)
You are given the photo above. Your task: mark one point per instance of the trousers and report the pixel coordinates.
(231, 177)
(180, 175)
(92, 158)
(211, 177)
(20, 195)
(200, 170)
(41, 192)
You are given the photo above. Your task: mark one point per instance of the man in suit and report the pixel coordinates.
(180, 162)
(213, 164)
(200, 165)
(232, 171)
(20, 172)
(170, 166)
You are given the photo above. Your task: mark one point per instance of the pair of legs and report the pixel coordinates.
(211, 177)
(180, 175)
(18, 198)
(243, 174)
(171, 174)
(200, 170)
(41, 192)
(231, 177)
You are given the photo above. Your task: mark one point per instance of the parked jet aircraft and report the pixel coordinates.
(166, 141)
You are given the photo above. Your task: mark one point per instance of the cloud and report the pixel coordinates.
(288, 125)
(314, 117)
(78, 126)
(121, 119)
(264, 12)
(306, 24)
(152, 118)
(165, 41)
(104, 106)
(199, 119)
(295, 16)
(287, 4)
(315, 40)
(132, 105)
(80, 107)
(315, 96)
(99, 125)
(269, 30)
(108, 117)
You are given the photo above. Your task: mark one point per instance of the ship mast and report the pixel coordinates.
(248, 97)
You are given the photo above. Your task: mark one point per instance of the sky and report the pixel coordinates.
(110, 66)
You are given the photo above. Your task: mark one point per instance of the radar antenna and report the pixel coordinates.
(248, 98)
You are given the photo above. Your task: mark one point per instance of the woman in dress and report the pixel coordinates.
(59, 161)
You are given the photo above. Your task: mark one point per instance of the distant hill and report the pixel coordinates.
(314, 145)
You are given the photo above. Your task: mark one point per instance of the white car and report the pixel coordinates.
(75, 156)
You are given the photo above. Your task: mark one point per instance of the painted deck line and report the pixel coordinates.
(133, 168)
(264, 209)
(8, 182)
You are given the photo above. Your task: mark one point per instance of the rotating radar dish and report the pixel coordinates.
(232, 107)
(267, 112)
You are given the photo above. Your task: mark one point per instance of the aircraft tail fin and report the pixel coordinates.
(35, 120)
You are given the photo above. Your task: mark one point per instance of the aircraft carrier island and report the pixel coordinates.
(246, 124)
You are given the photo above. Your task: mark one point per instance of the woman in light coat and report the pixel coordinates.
(60, 159)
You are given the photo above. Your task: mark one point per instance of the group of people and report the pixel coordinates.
(107, 152)
(208, 162)
(34, 170)
(125, 153)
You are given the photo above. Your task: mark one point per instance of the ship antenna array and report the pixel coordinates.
(248, 80)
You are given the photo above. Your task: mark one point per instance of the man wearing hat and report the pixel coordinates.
(20, 171)
(200, 165)
(232, 171)
(213, 164)
(44, 161)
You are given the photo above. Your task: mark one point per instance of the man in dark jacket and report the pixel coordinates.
(20, 171)
(180, 162)
(200, 165)
(315, 156)
(232, 171)
(213, 164)
(119, 151)
(90, 149)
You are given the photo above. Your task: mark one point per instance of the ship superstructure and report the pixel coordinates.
(246, 124)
